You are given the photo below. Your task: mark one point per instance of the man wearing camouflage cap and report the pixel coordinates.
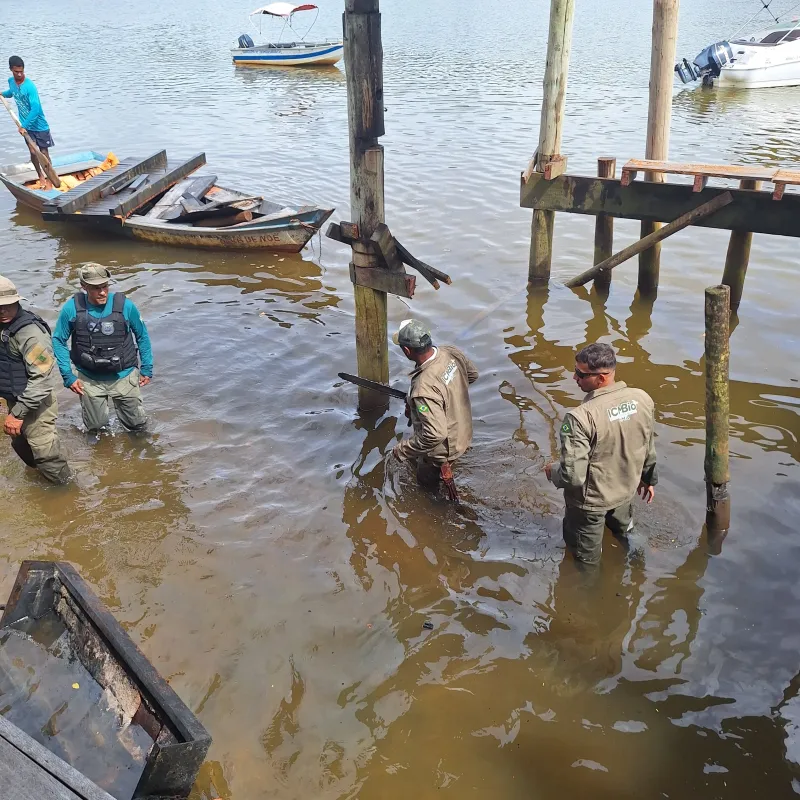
(28, 384)
(108, 337)
(438, 403)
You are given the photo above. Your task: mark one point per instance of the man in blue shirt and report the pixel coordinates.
(29, 109)
(105, 329)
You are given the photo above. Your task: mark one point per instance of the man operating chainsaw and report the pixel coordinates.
(437, 405)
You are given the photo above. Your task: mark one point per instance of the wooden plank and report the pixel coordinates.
(171, 199)
(29, 771)
(137, 183)
(734, 172)
(421, 266)
(382, 280)
(658, 235)
(200, 186)
(781, 179)
(91, 190)
(211, 210)
(190, 204)
(385, 249)
(753, 211)
(172, 176)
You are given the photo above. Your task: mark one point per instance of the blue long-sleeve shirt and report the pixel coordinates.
(66, 326)
(29, 107)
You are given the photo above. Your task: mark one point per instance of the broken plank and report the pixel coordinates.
(200, 186)
(211, 210)
(90, 190)
(421, 266)
(383, 280)
(190, 204)
(704, 210)
(154, 188)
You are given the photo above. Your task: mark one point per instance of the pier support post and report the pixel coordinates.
(738, 256)
(604, 229)
(363, 55)
(559, 44)
(717, 357)
(659, 116)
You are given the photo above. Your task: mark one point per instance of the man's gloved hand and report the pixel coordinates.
(449, 482)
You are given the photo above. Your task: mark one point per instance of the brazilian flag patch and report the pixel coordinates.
(423, 408)
(566, 427)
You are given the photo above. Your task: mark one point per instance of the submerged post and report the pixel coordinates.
(659, 116)
(559, 43)
(363, 55)
(718, 502)
(604, 228)
(738, 256)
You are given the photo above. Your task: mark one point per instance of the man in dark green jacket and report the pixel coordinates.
(29, 380)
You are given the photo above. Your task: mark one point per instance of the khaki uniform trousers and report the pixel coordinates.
(583, 531)
(123, 392)
(39, 446)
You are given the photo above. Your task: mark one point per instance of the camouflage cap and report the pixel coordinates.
(8, 292)
(94, 274)
(412, 333)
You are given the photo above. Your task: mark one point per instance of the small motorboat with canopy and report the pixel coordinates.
(294, 52)
(762, 60)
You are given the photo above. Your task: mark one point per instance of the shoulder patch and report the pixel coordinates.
(39, 357)
(566, 428)
(423, 408)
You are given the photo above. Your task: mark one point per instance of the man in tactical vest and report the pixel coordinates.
(437, 405)
(105, 329)
(28, 384)
(608, 455)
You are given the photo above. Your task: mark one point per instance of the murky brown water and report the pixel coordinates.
(258, 546)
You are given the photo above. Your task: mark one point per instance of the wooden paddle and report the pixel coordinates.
(44, 161)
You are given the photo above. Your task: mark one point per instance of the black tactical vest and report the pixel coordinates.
(103, 344)
(13, 375)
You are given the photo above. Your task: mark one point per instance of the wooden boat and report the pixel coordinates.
(157, 200)
(297, 53)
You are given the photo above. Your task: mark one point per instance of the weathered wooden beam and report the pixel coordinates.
(556, 71)
(659, 116)
(383, 280)
(154, 188)
(604, 229)
(652, 239)
(753, 211)
(384, 246)
(430, 273)
(717, 358)
(738, 256)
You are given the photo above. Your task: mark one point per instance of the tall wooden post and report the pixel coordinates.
(659, 116)
(718, 502)
(738, 256)
(559, 44)
(363, 55)
(604, 229)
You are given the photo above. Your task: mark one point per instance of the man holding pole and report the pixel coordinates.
(108, 337)
(608, 455)
(437, 405)
(31, 116)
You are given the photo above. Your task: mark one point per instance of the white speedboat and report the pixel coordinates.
(297, 53)
(763, 60)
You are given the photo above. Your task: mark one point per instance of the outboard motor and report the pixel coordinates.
(246, 42)
(707, 65)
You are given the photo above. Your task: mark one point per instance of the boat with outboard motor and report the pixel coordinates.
(298, 53)
(767, 59)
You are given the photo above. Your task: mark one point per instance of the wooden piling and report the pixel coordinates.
(604, 229)
(363, 55)
(717, 357)
(559, 44)
(659, 116)
(738, 256)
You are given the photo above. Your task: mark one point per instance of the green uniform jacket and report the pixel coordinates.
(35, 347)
(439, 406)
(607, 448)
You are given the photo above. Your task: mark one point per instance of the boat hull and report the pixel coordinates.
(760, 77)
(317, 55)
(286, 236)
